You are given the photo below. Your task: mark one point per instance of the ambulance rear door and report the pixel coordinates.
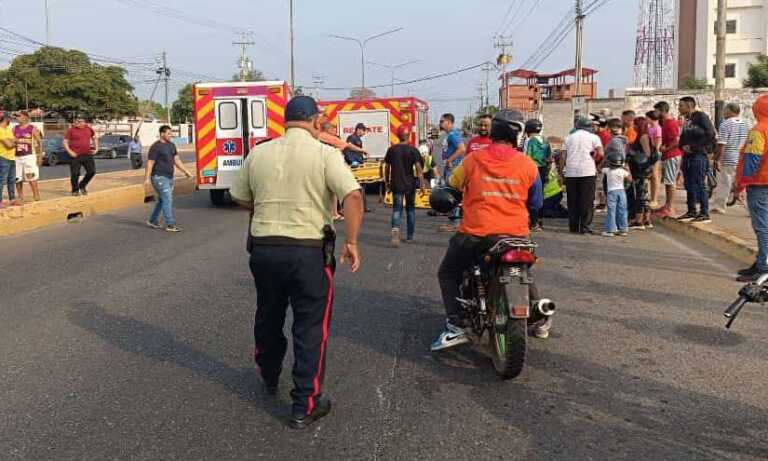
(231, 132)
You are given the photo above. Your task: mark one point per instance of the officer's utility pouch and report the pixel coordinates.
(329, 247)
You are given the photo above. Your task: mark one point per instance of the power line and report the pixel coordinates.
(506, 17)
(410, 82)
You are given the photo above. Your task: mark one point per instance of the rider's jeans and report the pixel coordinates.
(757, 202)
(410, 211)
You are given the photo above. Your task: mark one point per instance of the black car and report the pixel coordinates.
(54, 152)
(113, 146)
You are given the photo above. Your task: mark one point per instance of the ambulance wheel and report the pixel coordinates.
(220, 197)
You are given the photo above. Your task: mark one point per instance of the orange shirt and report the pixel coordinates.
(496, 181)
(631, 135)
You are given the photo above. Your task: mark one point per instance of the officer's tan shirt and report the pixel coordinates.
(291, 182)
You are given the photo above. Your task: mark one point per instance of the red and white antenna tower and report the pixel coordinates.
(655, 44)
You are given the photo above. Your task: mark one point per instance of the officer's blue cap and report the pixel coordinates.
(300, 109)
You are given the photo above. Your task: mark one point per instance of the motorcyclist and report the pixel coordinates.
(500, 185)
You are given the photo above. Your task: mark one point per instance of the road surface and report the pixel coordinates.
(102, 166)
(119, 342)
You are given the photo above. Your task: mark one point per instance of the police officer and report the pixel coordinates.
(289, 184)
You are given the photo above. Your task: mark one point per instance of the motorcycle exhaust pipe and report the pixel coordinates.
(546, 307)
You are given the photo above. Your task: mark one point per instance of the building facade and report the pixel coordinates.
(527, 90)
(746, 39)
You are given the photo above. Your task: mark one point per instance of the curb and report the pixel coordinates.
(37, 215)
(722, 241)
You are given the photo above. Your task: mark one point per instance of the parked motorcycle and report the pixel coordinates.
(498, 296)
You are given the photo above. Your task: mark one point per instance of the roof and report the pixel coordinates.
(239, 84)
(524, 73)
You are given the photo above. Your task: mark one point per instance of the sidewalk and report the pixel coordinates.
(730, 233)
(107, 192)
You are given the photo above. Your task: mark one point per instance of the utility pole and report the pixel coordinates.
(164, 73)
(245, 63)
(293, 63)
(487, 69)
(502, 43)
(578, 69)
(722, 10)
(47, 25)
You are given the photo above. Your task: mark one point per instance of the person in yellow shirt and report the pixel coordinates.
(7, 160)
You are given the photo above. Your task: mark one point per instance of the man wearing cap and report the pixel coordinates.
(581, 148)
(289, 185)
(355, 155)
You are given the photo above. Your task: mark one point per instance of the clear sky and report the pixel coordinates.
(444, 35)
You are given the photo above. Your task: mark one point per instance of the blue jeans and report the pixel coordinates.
(410, 211)
(617, 211)
(695, 169)
(8, 177)
(164, 189)
(757, 202)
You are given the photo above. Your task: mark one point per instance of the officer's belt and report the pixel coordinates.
(286, 241)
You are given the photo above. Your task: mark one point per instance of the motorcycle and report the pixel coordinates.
(756, 292)
(498, 296)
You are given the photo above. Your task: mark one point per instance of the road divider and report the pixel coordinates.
(714, 237)
(64, 209)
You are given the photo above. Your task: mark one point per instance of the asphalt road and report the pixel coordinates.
(119, 342)
(103, 165)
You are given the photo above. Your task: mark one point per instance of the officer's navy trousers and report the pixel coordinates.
(294, 275)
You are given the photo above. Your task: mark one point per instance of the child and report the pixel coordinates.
(615, 175)
(538, 149)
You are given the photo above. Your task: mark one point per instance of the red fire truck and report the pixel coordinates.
(230, 118)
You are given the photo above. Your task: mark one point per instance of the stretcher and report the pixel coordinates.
(422, 198)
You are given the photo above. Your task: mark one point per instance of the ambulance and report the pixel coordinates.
(382, 118)
(231, 118)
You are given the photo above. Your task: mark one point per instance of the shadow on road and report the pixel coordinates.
(159, 344)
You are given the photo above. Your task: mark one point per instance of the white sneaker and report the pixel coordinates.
(608, 234)
(452, 336)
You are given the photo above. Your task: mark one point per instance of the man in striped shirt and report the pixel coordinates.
(733, 135)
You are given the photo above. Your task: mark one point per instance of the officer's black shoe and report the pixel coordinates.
(303, 421)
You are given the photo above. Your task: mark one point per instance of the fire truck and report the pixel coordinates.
(231, 118)
(382, 118)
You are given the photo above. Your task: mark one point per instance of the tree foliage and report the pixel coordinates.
(757, 74)
(182, 109)
(66, 81)
(693, 83)
(152, 108)
(251, 76)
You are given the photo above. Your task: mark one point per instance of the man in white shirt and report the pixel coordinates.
(581, 148)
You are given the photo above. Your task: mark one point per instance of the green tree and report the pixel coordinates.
(490, 110)
(66, 81)
(693, 83)
(182, 109)
(251, 76)
(152, 108)
(757, 74)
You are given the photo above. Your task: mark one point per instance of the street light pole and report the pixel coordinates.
(293, 64)
(47, 25)
(392, 69)
(361, 43)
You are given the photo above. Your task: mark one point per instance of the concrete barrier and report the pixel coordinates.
(724, 242)
(37, 215)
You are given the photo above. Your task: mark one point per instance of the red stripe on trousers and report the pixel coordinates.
(323, 342)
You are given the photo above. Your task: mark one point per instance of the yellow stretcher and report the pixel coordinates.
(422, 198)
(368, 173)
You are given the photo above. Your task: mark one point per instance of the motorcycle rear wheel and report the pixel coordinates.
(509, 341)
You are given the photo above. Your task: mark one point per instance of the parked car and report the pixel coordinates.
(54, 152)
(113, 146)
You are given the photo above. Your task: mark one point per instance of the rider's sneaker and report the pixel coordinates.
(749, 278)
(450, 337)
(751, 270)
(541, 331)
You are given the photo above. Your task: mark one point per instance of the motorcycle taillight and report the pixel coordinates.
(518, 256)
